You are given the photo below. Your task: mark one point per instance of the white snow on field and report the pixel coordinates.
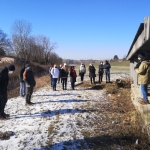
(59, 109)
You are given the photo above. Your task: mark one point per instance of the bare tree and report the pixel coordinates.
(5, 43)
(21, 30)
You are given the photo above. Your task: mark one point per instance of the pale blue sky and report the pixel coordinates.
(82, 29)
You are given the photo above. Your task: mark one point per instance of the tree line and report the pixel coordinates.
(24, 45)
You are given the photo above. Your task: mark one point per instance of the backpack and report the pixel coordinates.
(25, 75)
(82, 68)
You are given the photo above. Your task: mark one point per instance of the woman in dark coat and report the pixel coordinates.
(92, 74)
(73, 76)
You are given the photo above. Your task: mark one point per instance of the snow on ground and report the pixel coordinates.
(53, 120)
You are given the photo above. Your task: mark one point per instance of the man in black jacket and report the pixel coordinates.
(30, 83)
(107, 71)
(4, 79)
(101, 71)
(22, 82)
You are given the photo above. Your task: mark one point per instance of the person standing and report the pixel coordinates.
(64, 76)
(100, 72)
(4, 79)
(82, 71)
(55, 75)
(73, 76)
(22, 82)
(30, 83)
(51, 83)
(107, 67)
(143, 71)
(92, 74)
(59, 77)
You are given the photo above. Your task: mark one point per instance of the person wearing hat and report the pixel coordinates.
(64, 76)
(143, 71)
(107, 67)
(4, 79)
(28, 77)
(82, 71)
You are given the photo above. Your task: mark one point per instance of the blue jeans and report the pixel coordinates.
(54, 83)
(143, 88)
(22, 88)
(107, 73)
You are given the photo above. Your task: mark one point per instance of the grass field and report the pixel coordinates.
(115, 66)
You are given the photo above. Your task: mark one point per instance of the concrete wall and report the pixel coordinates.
(133, 74)
(143, 110)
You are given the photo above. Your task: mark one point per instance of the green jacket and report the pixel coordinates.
(143, 72)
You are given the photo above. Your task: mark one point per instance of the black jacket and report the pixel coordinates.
(64, 73)
(101, 69)
(107, 67)
(21, 74)
(4, 79)
(30, 78)
(91, 71)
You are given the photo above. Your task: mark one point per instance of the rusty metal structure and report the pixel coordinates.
(140, 44)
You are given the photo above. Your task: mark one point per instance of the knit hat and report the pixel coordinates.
(11, 67)
(140, 56)
(65, 64)
(27, 65)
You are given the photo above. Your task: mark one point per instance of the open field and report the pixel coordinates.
(115, 66)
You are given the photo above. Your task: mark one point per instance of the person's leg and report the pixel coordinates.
(99, 78)
(63, 82)
(30, 93)
(143, 88)
(108, 76)
(55, 82)
(81, 77)
(21, 88)
(102, 77)
(27, 94)
(24, 88)
(58, 79)
(94, 80)
(91, 80)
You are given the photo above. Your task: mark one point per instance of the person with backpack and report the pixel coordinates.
(30, 83)
(22, 82)
(101, 72)
(92, 74)
(4, 79)
(64, 76)
(73, 76)
(55, 75)
(107, 67)
(82, 71)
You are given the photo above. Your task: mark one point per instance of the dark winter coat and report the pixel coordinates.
(64, 73)
(106, 67)
(21, 74)
(91, 71)
(4, 79)
(30, 78)
(101, 69)
(73, 76)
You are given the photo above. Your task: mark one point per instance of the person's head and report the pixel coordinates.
(65, 65)
(60, 65)
(11, 69)
(106, 61)
(101, 63)
(90, 64)
(55, 66)
(141, 57)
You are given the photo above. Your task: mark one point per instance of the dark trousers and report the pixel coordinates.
(54, 83)
(72, 85)
(82, 76)
(92, 79)
(100, 77)
(29, 91)
(3, 101)
(59, 79)
(51, 81)
(64, 83)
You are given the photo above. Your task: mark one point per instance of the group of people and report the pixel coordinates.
(57, 74)
(60, 74)
(27, 83)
